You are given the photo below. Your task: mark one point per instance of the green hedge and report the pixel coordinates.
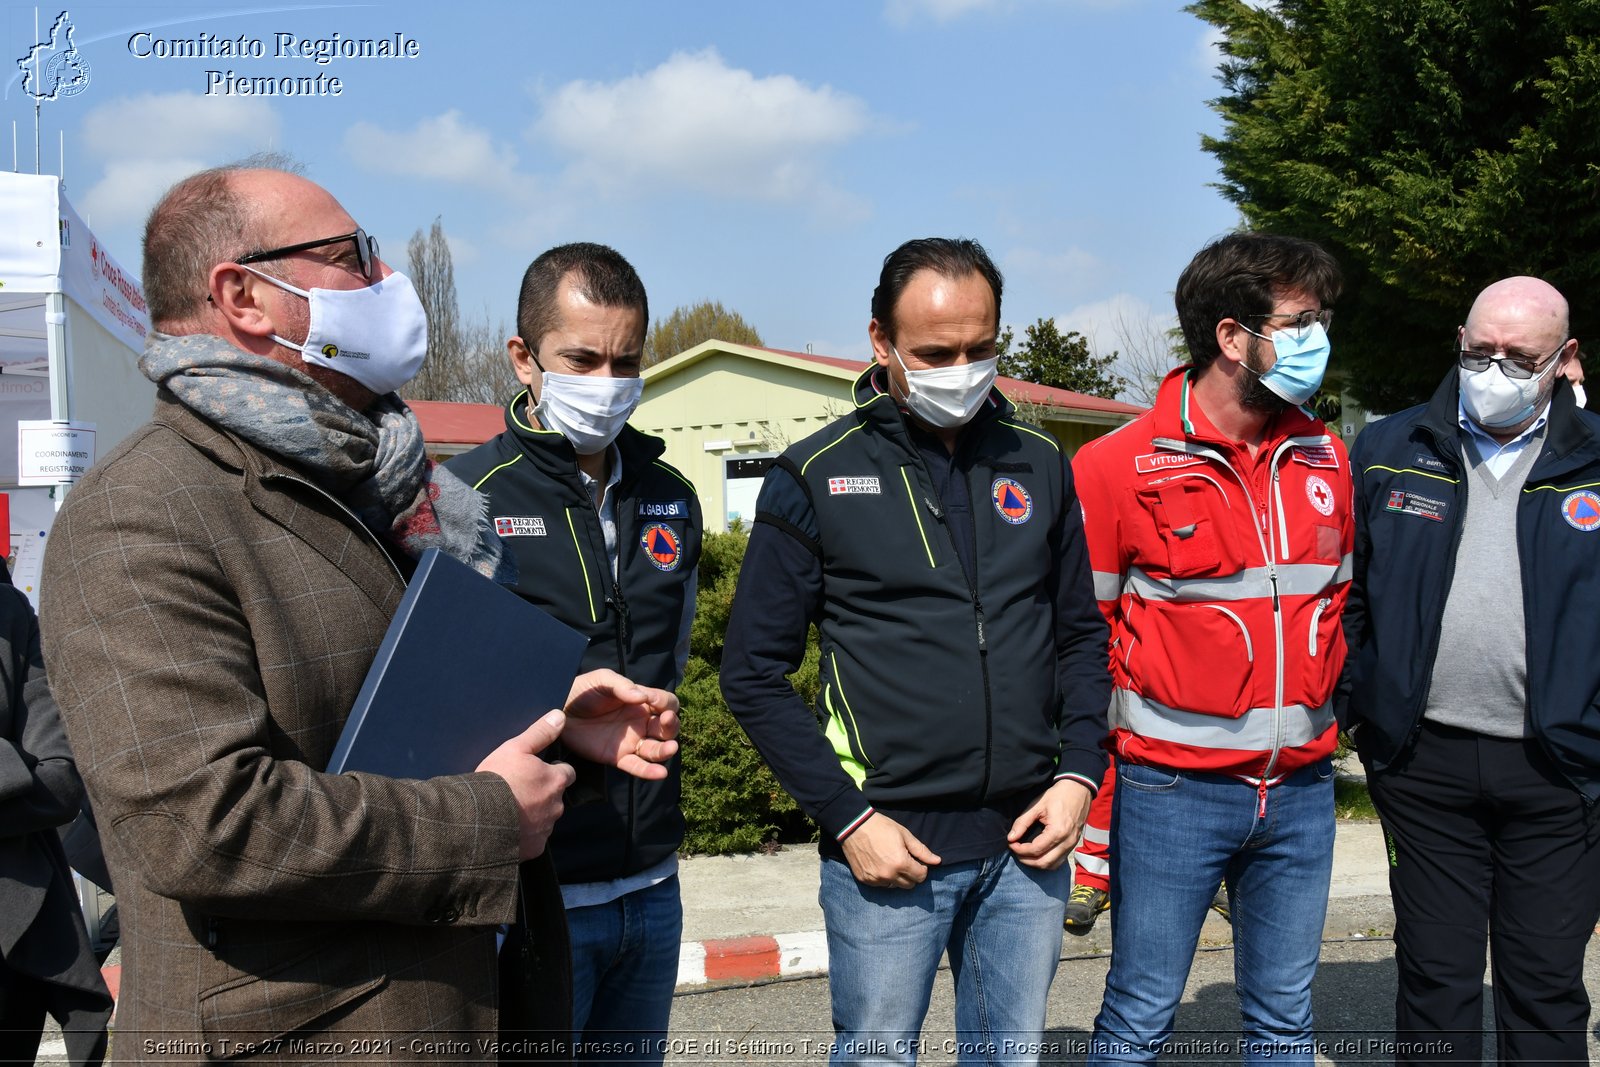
(731, 801)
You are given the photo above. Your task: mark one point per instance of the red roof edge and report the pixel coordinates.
(445, 423)
(1014, 388)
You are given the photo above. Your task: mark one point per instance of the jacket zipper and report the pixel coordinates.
(623, 627)
(938, 512)
(1316, 617)
(1269, 555)
(1277, 631)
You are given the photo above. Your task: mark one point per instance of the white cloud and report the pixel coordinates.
(195, 132)
(697, 123)
(129, 188)
(1208, 53)
(200, 127)
(905, 12)
(1133, 329)
(443, 148)
(462, 251)
(908, 12)
(1069, 270)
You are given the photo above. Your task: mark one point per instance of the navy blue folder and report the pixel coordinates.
(466, 665)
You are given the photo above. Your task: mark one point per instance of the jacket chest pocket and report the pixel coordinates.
(1196, 527)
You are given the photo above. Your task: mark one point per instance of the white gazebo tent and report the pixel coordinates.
(72, 325)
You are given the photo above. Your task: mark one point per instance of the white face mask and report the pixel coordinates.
(947, 397)
(1493, 400)
(377, 336)
(587, 409)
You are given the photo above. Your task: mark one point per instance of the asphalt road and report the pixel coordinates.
(788, 1021)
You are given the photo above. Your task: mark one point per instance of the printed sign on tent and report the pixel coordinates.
(51, 451)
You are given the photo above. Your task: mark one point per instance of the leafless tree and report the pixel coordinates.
(466, 361)
(1147, 352)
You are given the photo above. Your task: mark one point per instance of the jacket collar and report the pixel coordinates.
(294, 500)
(1569, 438)
(553, 454)
(876, 406)
(1178, 418)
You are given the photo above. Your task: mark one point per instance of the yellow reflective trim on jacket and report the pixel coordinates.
(1025, 428)
(911, 496)
(577, 548)
(1563, 488)
(495, 470)
(1411, 470)
(839, 733)
(674, 472)
(824, 448)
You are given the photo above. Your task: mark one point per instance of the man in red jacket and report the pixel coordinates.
(1220, 532)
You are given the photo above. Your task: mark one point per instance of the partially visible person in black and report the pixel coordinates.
(45, 961)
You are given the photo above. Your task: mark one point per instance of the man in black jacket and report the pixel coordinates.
(1473, 669)
(938, 545)
(45, 962)
(606, 538)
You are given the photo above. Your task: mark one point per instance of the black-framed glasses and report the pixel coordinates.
(1299, 321)
(366, 250)
(1519, 365)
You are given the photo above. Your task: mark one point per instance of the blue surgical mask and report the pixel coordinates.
(1302, 361)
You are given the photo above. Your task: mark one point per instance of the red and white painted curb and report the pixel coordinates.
(748, 959)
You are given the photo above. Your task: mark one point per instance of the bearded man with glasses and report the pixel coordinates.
(1474, 672)
(1219, 529)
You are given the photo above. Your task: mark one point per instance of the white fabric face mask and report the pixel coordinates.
(1493, 400)
(947, 397)
(587, 409)
(377, 336)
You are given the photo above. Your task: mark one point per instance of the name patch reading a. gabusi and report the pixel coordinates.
(663, 509)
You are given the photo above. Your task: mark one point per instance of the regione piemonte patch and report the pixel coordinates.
(519, 526)
(859, 483)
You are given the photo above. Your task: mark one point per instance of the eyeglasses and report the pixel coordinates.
(1513, 364)
(366, 250)
(1299, 321)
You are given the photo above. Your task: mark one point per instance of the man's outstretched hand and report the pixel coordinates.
(611, 720)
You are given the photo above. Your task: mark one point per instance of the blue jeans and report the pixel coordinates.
(624, 969)
(1000, 921)
(1174, 836)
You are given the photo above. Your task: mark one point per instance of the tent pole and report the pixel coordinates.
(55, 332)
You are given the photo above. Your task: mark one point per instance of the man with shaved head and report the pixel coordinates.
(1474, 669)
(214, 592)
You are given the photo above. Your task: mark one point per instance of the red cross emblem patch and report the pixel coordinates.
(1320, 493)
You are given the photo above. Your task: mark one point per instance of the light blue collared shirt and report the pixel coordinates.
(1494, 455)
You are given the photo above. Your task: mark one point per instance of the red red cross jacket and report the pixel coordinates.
(1223, 577)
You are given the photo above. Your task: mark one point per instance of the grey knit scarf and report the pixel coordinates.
(374, 462)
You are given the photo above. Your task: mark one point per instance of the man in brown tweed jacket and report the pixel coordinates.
(214, 592)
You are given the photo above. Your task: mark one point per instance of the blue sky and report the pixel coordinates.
(761, 154)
